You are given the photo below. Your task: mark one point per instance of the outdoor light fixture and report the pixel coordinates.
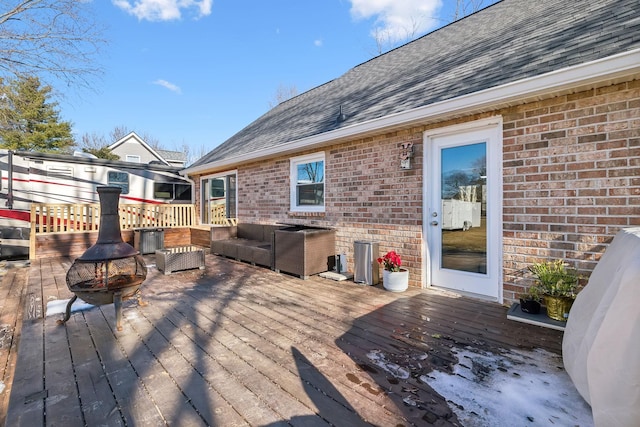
(405, 155)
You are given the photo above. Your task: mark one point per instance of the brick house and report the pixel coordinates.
(510, 136)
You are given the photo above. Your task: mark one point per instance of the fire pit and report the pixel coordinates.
(111, 270)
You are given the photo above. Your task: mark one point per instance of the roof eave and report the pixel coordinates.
(571, 79)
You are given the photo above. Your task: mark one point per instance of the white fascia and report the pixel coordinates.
(609, 68)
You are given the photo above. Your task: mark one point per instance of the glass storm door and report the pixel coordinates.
(464, 216)
(218, 199)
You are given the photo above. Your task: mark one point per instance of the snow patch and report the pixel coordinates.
(511, 389)
(378, 357)
(59, 306)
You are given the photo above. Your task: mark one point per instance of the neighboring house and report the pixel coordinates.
(132, 148)
(510, 136)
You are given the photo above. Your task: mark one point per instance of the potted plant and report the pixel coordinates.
(394, 277)
(530, 301)
(559, 286)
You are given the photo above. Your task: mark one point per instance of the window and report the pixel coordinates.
(307, 183)
(218, 198)
(183, 192)
(170, 191)
(133, 158)
(119, 179)
(162, 190)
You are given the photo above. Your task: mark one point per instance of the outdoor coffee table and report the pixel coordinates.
(179, 258)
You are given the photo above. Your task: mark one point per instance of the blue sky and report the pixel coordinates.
(194, 73)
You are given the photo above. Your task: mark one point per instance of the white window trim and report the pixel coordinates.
(293, 175)
(133, 158)
(218, 175)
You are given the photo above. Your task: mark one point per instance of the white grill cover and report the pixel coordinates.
(601, 343)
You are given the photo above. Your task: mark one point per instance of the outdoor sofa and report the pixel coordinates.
(296, 249)
(247, 242)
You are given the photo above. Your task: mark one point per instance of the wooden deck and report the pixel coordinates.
(237, 345)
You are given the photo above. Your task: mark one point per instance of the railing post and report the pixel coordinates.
(32, 235)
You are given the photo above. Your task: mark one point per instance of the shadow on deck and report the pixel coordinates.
(241, 345)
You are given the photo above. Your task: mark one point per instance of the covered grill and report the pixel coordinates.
(111, 270)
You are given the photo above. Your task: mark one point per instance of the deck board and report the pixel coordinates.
(240, 345)
(98, 401)
(132, 398)
(26, 404)
(62, 403)
(281, 387)
(12, 295)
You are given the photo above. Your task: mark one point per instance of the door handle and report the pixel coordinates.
(434, 223)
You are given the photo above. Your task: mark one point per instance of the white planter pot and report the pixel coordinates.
(395, 281)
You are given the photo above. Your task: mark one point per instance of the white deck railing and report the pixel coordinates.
(80, 218)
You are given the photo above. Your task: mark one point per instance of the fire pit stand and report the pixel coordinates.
(111, 270)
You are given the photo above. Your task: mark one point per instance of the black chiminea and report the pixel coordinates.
(111, 270)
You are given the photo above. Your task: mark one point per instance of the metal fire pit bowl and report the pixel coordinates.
(110, 271)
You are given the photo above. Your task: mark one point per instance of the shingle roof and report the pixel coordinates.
(507, 42)
(172, 155)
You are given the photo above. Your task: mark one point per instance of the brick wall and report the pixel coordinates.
(571, 178)
(367, 196)
(571, 167)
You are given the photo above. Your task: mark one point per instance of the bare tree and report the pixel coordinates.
(118, 133)
(98, 146)
(152, 141)
(50, 39)
(386, 40)
(93, 141)
(282, 94)
(197, 154)
(466, 7)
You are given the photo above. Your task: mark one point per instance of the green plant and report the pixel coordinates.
(555, 278)
(534, 293)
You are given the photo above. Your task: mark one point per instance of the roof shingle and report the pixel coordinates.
(506, 42)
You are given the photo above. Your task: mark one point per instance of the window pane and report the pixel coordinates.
(219, 199)
(183, 192)
(204, 193)
(162, 190)
(310, 184)
(217, 188)
(311, 195)
(464, 226)
(231, 197)
(311, 172)
(119, 179)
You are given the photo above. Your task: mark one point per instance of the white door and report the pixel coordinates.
(463, 216)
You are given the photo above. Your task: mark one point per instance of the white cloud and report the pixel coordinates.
(317, 42)
(397, 20)
(164, 10)
(168, 85)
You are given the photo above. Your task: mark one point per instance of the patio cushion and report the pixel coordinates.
(251, 232)
(255, 253)
(246, 242)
